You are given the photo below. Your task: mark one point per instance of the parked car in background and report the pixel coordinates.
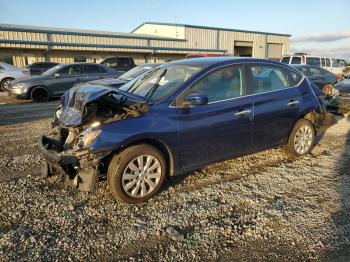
(179, 117)
(58, 79)
(39, 67)
(119, 63)
(8, 73)
(336, 66)
(340, 102)
(126, 77)
(321, 77)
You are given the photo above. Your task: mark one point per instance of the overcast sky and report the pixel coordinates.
(317, 26)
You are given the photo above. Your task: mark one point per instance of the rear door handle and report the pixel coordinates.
(293, 103)
(243, 113)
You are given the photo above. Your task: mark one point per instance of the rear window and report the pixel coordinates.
(313, 61)
(285, 59)
(315, 71)
(296, 60)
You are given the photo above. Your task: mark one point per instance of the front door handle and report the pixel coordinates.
(243, 113)
(293, 103)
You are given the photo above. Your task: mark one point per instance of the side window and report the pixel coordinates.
(123, 61)
(221, 84)
(316, 61)
(296, 60)
(315, 71)
(328, 62)
(323, 63)
(91, 69)
(71, 70)
(266, 78)
(285, 59)
(111, 62)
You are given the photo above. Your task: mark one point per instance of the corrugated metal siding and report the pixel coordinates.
(200, 39)
(279, 40)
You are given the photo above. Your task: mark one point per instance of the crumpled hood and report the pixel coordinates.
(74, 101)
(115, 82)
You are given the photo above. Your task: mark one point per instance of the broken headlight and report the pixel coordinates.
(86, 138)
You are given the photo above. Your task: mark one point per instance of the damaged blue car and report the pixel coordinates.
(179, 117)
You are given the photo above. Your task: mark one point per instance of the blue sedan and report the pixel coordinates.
(178, 117)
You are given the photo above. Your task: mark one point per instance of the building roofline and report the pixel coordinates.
(209, 27)
(152, 48)
(52, 30)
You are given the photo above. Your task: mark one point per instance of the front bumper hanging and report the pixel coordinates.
(78, 168)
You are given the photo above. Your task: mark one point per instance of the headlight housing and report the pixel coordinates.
(328, 90)
(88, 136)
(19, 85)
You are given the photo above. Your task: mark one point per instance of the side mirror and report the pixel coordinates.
(196, 99)
(56, 75)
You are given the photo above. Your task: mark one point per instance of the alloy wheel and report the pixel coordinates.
(303, 139)
(141, 176)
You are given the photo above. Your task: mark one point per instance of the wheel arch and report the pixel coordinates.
(32, 87)
(162, 147)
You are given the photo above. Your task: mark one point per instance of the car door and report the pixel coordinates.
(220, 129)
(67, 77)
(91, 72)
(276, 100)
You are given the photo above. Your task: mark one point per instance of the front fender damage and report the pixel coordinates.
(79, 169)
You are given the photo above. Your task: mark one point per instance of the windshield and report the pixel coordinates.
(135, 72)
(52, 70)
(161, 82)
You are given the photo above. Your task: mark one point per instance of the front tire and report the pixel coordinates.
(5, 83)
(39, 94)
(137, 173)
(302, 138)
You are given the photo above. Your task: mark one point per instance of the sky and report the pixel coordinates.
(320, 27)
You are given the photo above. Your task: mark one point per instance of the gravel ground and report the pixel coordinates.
(262, 207)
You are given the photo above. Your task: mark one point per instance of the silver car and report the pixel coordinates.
(8, 73)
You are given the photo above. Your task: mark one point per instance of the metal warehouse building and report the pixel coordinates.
(21, 45)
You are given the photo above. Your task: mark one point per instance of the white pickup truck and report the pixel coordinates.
(336, 66)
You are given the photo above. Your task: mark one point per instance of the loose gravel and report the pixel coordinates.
(262, 207)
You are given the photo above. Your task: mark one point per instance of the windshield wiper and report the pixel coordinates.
(156, 84)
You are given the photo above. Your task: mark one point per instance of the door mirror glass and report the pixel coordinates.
(196, 99)
(56, 75)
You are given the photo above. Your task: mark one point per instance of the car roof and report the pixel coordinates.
(150, 64)
(81, 63)
(212, 61)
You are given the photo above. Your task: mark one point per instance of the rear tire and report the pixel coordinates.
(137, 173)
(5, 82)
(39, 94)
(302, 139)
